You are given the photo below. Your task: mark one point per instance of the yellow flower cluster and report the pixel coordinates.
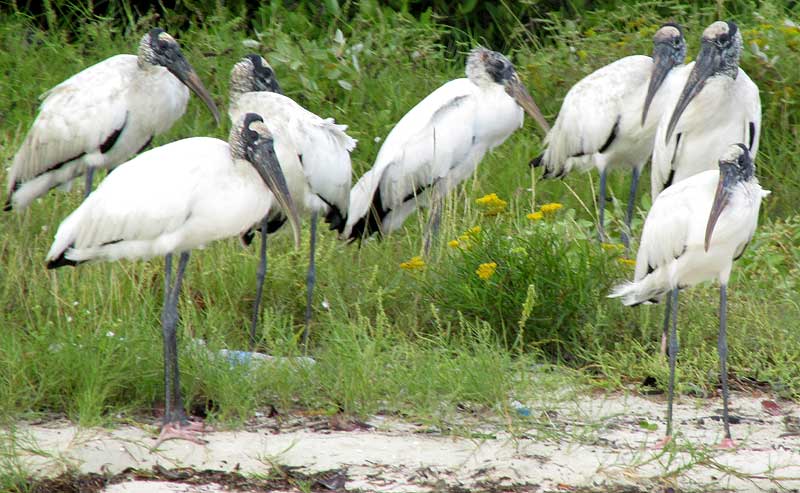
(544, 210)
(466, 238)
(485, 271)
(535, 216)
(492, 204)
(414, 263)
(550, 208)
(627, 261)
(612, 247)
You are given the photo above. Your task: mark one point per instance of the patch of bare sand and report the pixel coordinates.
(598, 441)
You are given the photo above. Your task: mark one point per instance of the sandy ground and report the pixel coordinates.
(601, 442)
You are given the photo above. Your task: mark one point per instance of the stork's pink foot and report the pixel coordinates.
(727, 443)
(662, 443)
(188, 430)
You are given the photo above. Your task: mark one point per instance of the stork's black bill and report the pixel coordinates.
(180, 68)
(732, 171)
(669, 50)
(517, 90)
(260, 150)
(719, 54)
(707, 64)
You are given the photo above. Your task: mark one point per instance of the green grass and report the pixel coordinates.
(87, 343)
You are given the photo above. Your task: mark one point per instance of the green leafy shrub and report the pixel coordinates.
(538, 281)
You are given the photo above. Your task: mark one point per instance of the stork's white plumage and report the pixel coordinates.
(719, 105)
(313, 153)
(693, 233)
(439, 143)
(102, 116)
(172, 199)
(608, 119)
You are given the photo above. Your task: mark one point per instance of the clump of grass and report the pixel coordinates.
(537, 280)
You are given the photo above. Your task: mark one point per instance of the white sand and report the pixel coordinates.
(592, 441)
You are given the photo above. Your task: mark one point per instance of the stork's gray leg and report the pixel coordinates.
(167, 368)
(601, 205)
(311, 278)
(175, 423)
(167, 277)
(665, 328)
(626, 233)
(169, 324)
(262, 271)
(89, 176)
(434, 221)
(722, 348)
(673, 355)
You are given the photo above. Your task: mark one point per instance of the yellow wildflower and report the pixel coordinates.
(582, 54)
(551, 207)
(474, 230)
(626, 261)
(792, 30)
(611, 247)
(485, 271)
(414, 263)
(492, 204)
(453, 243)
(535, 216)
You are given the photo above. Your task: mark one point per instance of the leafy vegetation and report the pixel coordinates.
(466, 323)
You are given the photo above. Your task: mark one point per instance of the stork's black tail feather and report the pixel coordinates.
(61, 261)
(371, 222)
(336, 221)
(537, 161)
(272, 226)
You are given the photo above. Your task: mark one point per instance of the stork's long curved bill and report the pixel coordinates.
(262, 156)
(662, 64)
(707, 63)
(186, 74)
(517, 90)
(726, 182)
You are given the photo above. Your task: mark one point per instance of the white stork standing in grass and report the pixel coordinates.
(314, 154)
(172, 199)
(693, 233)
(719, 105)
(102, 116)
(608, 119)
(438, 144)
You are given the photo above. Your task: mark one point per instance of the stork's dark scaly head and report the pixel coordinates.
(252, 73)
(735, 166)
(252, 140)
(486, 67)
(669, 50)
(719, 56)
(160, 49)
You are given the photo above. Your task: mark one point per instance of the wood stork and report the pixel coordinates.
(693, 233)
(102, 116)
(719, 105)
(608, 119)
(313, 153)
(439, 143)
(171, 199)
